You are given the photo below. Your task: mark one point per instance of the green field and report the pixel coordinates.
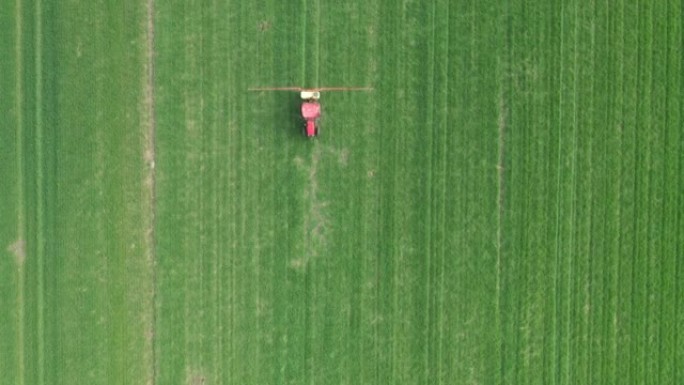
(505, 207)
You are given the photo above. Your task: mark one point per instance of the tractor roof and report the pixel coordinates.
(311, 110)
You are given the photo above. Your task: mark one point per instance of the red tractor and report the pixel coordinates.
(311, 111)
(311, 108)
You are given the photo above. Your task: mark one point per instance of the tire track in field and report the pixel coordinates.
(573, 275)
(504, 82)
(40, 194)
(501, 157)
(441, 249)
(559, 310)
(19, 247)
(437, 117)
(317, 44)
(149, 182)
(679, 203)
(502, 123)
(315, 220)
(303, 41)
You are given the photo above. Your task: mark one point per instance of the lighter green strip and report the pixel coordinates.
(589, 332)
(499, 217)
(679, 224)
(397, 238)
(557, 270)
(317, 45)
(217, 252)
(149, 157)
(653, 318)
(442, 268)
(616, 332)
(40, 188)
(429, 189)
(19, 106)
(302, 77)
(634, 346)
(571, 349)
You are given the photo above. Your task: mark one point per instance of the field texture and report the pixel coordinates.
(506, 207)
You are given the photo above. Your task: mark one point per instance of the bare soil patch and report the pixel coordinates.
(18, 249)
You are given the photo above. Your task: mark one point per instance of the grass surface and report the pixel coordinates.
(76, 268)
(505, 207)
